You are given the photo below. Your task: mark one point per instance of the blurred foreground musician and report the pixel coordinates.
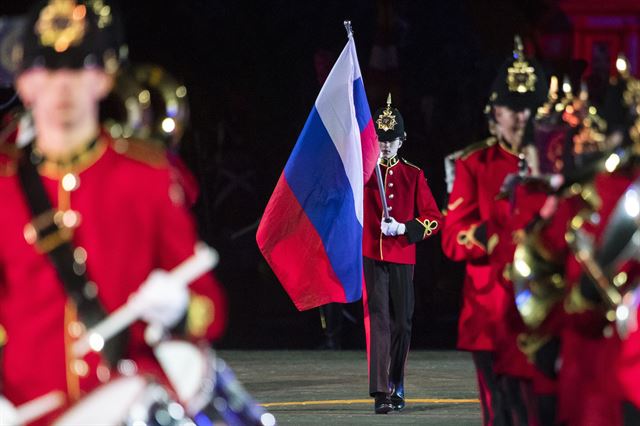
(518, 89)
(86, 219)
(577, 267)
(566, 130)
(623, 113)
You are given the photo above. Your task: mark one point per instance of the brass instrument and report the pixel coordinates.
(603, 266)
(537, 276)
(147, 103)
(168, 100)
(537, 280)
(10, 30)
(122, 113)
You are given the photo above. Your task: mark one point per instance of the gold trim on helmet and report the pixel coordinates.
(387, 120)
(521, 77)
(61, 24)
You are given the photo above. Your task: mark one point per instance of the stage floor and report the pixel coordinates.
(331, 388)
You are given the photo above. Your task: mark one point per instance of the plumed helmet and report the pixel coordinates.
(569, 132)
(520, 82)
(71, 34)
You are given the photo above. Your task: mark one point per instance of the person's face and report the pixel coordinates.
(510, 124)
(390, 149)
(63, 98)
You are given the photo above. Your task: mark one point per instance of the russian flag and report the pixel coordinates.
(311, 230)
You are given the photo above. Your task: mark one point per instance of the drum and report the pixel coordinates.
(133, 400)
(190, 370)
(207, 387)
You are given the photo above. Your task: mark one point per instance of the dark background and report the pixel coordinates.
(252, 70)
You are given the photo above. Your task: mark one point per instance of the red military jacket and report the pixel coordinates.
(410, 202)
(479, 174)
(510, 218)
(130, 219)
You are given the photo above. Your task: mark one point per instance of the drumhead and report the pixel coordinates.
(185, 365)
(107, 405)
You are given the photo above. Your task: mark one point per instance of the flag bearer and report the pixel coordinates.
(389, 257)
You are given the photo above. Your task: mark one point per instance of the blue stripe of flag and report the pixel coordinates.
(315, 173)
(363, 114)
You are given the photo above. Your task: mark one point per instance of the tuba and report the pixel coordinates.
(607, 265)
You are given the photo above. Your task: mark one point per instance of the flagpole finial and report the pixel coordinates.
(518, 47)
(347, 26)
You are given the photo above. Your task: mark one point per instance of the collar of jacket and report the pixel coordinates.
(507, 147)
(389, 162)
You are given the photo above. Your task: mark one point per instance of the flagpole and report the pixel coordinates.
(383, 197)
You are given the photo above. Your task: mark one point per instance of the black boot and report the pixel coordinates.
(382, 403)
(397, 397)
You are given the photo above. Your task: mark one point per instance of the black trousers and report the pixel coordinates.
(390, 302)
(631, 414)
(491, 398)
(507, 400)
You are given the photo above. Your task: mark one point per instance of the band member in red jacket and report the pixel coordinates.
(85, 220)
(479, 173)
(530, 390)
(389, 256)
(587, 233)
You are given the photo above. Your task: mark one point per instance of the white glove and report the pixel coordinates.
(392, 228)
(161, 300)
(8, 413)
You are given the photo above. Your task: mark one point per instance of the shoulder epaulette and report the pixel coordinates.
(490, 141)
(409, 163)
(145, 151)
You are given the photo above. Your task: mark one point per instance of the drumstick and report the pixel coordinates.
(38, 407)
(203, 260)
